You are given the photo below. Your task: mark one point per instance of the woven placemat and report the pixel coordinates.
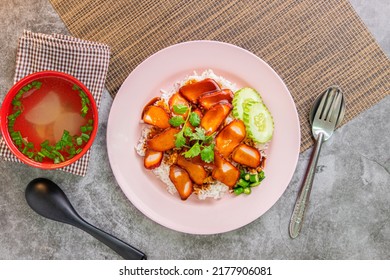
(311, 44)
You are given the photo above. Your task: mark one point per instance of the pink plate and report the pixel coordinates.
(160, 71)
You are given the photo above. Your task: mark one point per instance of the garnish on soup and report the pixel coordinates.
(207, 137)
(51, 120)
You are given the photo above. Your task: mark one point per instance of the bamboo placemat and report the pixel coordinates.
(311, 44)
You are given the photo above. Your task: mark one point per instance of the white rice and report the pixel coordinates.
(217, 190)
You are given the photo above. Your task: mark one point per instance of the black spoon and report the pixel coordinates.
(47, 199)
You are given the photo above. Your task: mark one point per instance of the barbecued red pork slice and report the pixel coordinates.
(224, 171)
(209, 99)
(230, 137)
(247, 155)
(193, 91)
(156, 116)
(214, 117)
(163, 141)
(181, 180)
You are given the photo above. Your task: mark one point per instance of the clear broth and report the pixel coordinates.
(48, 111)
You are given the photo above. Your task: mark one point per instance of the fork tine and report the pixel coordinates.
(335, 110)
(331, 99)
(321, 106)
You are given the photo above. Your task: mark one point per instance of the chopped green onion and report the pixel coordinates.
(41, 154)
(11, 123)
(58, 154)
(78, 150)
(79, 141)
(17, 137)
(247, 190)
(58, 146)
(16, 102)
(85, 137)
(238, 190)
(46, 153)
(13, 116)
(253, 178)
(243, 183)
(38, 85)
(25, 149)
(45, 143)
(38, 158)
(72, 152)
(66, 139)
(261, 175)
(19, 94)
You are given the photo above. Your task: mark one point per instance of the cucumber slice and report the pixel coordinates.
(241, 97)
(258, 121)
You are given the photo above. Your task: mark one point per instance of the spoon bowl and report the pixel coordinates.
(47, 199)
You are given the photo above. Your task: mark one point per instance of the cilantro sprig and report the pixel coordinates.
(176, 121)
(180, 109)
(207, 153)
(180, 140)
(193, 151)
(200, 143)
(203, 145)
(194, 119)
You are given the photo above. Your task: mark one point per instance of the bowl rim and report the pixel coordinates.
(7, 102)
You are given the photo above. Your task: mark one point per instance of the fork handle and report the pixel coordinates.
(304, 194)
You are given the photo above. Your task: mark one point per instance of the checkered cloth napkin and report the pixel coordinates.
(85, 60)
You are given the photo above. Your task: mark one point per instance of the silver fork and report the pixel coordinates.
(325, 120)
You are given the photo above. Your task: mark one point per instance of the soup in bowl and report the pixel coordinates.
(49, 119)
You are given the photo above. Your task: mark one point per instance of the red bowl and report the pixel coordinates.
(7, 106)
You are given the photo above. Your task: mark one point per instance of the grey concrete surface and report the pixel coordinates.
(349, 209)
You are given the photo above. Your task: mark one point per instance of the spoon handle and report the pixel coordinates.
(304, 194)
(125, 250)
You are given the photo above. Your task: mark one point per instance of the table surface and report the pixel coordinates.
(349, 211)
